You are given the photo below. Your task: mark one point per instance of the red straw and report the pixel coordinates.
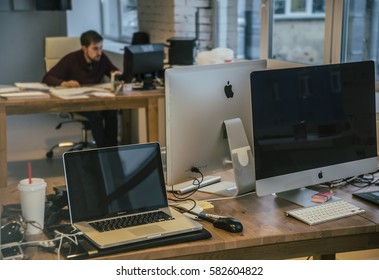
(30, 172)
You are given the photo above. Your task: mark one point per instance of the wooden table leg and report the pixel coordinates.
(3, 147)
(152, 120)
(126, 130)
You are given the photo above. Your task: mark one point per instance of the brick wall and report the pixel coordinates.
(164, 19)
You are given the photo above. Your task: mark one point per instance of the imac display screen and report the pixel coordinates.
(313, 124)
(198, 100)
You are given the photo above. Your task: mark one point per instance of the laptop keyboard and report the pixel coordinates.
(130, 221)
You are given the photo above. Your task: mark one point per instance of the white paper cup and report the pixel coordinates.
(32, 197)
(127, 88)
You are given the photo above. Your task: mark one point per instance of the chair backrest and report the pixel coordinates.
(57, 47)
(140, 37)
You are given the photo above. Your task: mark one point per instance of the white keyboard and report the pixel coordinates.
(325, 212)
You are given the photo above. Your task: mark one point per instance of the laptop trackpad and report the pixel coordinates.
(147, 230)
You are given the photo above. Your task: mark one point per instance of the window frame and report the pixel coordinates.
(333, 29)
(288, 14)
(103, 21)
(120, 37)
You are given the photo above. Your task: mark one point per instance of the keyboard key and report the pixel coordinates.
(129, 221)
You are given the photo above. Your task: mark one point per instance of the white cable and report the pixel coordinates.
(60, 236)
(228, 197)
(47, 243)
(42, 243)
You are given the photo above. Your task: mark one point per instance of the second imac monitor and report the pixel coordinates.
(199, 99)
(312, 125)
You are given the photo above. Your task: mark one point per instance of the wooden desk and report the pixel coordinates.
(133, 100)
(268, 233)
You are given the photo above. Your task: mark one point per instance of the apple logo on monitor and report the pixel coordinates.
(228, 90)
(320, 175)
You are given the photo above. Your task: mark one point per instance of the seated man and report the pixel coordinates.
(88, 66)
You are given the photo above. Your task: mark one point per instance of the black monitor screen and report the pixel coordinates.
(315, 116)
(143, 60)
(122, 179)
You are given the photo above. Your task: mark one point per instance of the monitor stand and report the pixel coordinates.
(242, 161)
(301, 197)
(147, 82)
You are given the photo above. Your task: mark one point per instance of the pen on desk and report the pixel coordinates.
(119, 87)
(201, 215)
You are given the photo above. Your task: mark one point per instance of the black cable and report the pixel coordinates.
(365, 184)
(357, 181)
(361, 182)
(196, 182)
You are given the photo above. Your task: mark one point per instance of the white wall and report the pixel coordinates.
(22, 36)
(85, 15)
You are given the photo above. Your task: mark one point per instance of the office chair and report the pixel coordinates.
(55, 49)
(140, 38)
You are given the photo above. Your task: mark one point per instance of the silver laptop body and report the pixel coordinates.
(115, 182)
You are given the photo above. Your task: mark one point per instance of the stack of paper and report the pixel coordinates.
(25, 91)
(25, 95)
(40, 90)
(80, 92)
(32, 86)
(6, 89)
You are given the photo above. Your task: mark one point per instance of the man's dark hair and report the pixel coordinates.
(89, 37)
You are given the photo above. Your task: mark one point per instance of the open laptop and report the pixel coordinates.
(120, 183)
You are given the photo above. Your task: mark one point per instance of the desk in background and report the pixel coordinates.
(267, 234)
(132, 100)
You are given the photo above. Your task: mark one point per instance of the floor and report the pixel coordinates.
(29, 143)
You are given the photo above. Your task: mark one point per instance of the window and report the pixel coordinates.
(298, 31)
(110, 19)
(360, 36)
(129, 18)
(237, 27)
(119, 19)
(299, 8)
(319, 31)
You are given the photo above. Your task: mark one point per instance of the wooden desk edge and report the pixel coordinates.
(322, 248)
(147, 100)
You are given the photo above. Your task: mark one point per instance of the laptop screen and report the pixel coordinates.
(114, 181)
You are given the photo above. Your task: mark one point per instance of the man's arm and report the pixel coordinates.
(70, 84)
(56, 76)
(109, 66)
(51, 80)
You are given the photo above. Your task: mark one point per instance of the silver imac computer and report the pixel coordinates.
(209, 124)
(312, 125)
